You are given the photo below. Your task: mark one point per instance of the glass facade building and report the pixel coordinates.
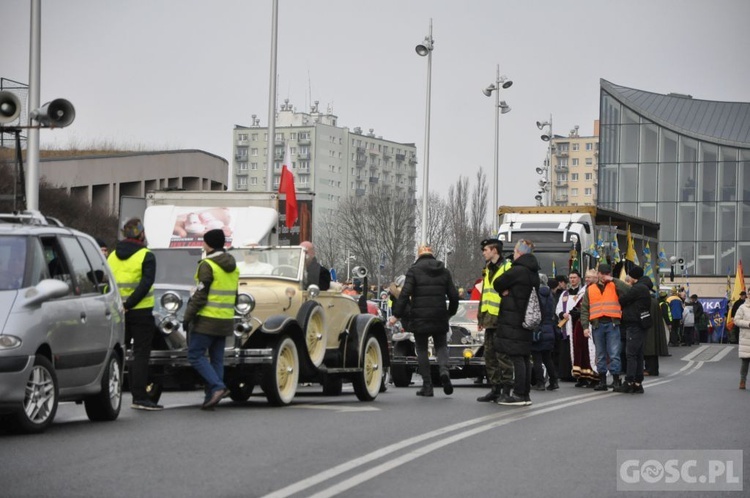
(684, 163)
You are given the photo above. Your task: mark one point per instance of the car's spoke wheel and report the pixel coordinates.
(367, 382)
(280, 379)
(40, 402)
(313, 324)
(106, 404)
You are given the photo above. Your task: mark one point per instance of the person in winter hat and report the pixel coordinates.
(427, 286)
(209, 315)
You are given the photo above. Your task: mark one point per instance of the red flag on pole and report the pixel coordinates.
(286, 186)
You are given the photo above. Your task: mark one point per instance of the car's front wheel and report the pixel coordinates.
(401, 374)
(40, 402)
(281, 377)
(367, 382)
(106, 405)
(240, 390)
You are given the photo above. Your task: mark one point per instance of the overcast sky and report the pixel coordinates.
(181, 73)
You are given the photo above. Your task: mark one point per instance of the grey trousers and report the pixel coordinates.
(440, 341)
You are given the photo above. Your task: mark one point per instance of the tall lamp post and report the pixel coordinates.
(547, 136)
(504, 108)
(425, 49)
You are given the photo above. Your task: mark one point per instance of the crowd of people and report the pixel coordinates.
(590, 328)
(594, 327)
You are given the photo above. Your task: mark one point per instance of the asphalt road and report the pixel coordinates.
(565, 444)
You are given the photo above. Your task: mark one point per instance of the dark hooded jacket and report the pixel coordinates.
(636, 301)
(204, 324)
(124, 250)
(523, 275)
(546, 340)
(427, 286)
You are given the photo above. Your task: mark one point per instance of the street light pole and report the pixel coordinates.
(425, 48)
(496, 164)
(271, 141)
(547, 137)
(500, 82)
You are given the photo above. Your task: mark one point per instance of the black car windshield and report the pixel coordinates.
(176, 266)
(12, 262)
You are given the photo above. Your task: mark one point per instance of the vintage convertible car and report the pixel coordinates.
(286, 332)
(465, 349)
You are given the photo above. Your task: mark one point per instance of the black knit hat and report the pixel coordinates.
(636, 272)
(215, 239)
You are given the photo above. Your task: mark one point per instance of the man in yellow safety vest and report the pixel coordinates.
(210, 315)
(497, 364)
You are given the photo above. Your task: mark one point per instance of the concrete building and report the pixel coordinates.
(102, 179)
(328, 160)
(573, 174)
(685, 163)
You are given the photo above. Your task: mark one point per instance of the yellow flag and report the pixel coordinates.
(631, 255)
(739, 286)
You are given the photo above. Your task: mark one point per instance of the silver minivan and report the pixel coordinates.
(62, 330)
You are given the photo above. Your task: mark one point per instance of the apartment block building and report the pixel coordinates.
(574, 166)
(329, 160)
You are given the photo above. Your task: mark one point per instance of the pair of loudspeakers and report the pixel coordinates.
(57, 113)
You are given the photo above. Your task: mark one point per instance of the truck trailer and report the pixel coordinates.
(576, 236)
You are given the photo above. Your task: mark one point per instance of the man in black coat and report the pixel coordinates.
(317, 274)
(515, 286)
(427, 286)
(636, 319)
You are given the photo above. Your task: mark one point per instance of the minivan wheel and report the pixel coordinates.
(106, 405)
(40, 402)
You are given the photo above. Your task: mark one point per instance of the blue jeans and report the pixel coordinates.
(607, 343)
(213, 371)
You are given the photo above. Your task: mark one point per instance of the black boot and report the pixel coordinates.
(505, 393)
(539, 386)
(445, 380)
(581, 382)
(491, 396)
(602, 385)
(616, 383)
(553, 385)
(625, 387)
(426, 390)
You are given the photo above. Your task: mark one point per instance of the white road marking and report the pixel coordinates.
(505, 417)
(338, 408)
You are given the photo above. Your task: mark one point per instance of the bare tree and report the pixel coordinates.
(378, 230)
(329, 248)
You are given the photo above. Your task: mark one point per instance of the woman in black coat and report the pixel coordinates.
(544, 343)
(514, 287)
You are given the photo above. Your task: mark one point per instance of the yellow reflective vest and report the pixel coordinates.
(490, 303)
(128, 274)
(222, 293)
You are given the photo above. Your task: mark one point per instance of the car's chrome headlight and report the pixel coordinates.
(9, 342)
(313, 291)
(245, 303)
(171, 302)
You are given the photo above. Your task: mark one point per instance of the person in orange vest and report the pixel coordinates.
(601, 314)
